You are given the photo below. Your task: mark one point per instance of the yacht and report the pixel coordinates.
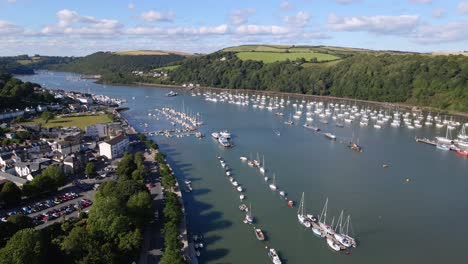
(333, 245)
(273, 184)
(316, 129)
(300, 214)
(446, 139)
(171, 93)
(224, 142)
(225, 134)
(274, 256)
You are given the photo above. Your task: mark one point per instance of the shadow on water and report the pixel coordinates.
(201, 218)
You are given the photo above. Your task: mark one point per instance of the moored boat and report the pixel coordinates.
(259, 234)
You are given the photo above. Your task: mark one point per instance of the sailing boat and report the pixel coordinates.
(323, 220)
(341, 238)
(262, 166)
(300, 214)
(248, 217)
(273, 184)
(355, 146)
(289, 122)
(462, 134)
(445, 139)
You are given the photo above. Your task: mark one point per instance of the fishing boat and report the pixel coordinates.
(274, 256)
(259, 234)
(300, 214)
(273, 184)
(330, 136)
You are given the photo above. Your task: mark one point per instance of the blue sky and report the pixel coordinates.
(80, 27)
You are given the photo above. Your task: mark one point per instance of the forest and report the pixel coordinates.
(420, 79)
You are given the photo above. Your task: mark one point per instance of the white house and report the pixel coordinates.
(115, 147)
(66, 147)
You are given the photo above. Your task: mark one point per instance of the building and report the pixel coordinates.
(97, 131)
(115, 147)
(66, 147)
(28, 170)
(10, 177)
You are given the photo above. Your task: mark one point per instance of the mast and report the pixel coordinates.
(301, 206)
(324, 212)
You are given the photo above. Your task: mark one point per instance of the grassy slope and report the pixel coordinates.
(167, 68)
(269, 57)
(69, 121)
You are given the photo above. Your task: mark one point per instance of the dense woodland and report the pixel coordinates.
(115, 68)
(24, 64)
(435, 81)
(15, 93)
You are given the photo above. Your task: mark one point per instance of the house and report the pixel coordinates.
(66, 147)
(71, 165)
(7, 161)
(29, 170)
(97, 131)
(10, 135)
(115, 147)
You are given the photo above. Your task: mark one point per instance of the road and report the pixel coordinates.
(153, 243)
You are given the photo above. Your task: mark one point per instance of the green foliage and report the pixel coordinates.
(49, 180)
(15, 94)
(10, 194)
(90, 170)
(148, 142)
(126, 166)
(435, 81)
(47, 115)
(26, 246)
(160, 158)
(115, 68)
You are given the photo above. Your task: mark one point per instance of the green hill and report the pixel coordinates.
(117, 68)
(389, 76)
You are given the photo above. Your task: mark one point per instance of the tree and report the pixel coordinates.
(20, 221)
(140, 206)
(26, 246)
(90, 170)
(46, 116)
(11, 193)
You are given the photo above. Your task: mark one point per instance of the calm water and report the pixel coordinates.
(395, 222)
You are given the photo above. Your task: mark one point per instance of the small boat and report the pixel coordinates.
(303, 220)
(225, 134)
(243, 158)
(266, 178)
(171, 93)
(224, 142)
(248, 217)
(442, 147)
(462, 153)
(274, 256)
(282, 194)
(239, 188)
(215, 135)
(259, 234)
(291, 203)
(330, 136)
(355, 147)
(243, 207)
(385, 166)
(241, 196)
(316, 129)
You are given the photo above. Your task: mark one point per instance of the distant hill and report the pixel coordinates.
(152, 52)
(464, 53)
(387, 76)
(24, 64)
(117, 67)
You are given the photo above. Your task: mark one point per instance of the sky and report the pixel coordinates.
(81, 27)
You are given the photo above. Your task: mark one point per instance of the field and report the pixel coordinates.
(269, 57)
(167, 68)
(150, 52)
(69, 121)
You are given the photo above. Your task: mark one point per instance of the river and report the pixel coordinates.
(395, 221)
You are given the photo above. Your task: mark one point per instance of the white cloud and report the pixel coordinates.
(70, 22)
(375, 24)
(438, 13)
(131, 6)
(286, 5)
(451, 32)
(7, 28)
(421, 1)
(301, 19)
(241, 16)
(261, 30)
(463, 8)
(152, 16)
(216, 30)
